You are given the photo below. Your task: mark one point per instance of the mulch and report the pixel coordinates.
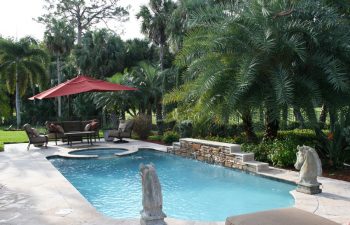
(342, 174)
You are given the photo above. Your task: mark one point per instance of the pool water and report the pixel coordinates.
(192, 190)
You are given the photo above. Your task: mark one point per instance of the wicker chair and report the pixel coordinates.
(124, 131)
(34, 137)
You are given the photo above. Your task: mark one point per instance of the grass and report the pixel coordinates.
(13, 136)
(7, 137)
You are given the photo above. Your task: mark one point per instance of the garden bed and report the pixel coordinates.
(342, 174)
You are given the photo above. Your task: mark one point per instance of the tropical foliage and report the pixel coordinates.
(248, 72)
(22, 66)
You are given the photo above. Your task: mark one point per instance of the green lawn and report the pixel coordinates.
(12, 137)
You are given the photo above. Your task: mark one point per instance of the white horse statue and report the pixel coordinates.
(309, 165)
(152, 200)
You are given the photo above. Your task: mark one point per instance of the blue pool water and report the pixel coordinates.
(191, 189)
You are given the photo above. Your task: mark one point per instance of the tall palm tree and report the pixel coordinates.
(22, 64)
(263, 53)
(155, 20)
(59, 39)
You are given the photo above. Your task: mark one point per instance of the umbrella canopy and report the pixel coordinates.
(81, 84)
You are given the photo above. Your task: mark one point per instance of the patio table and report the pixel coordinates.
(87, 134)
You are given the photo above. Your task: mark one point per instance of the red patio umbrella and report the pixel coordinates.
(81, 84)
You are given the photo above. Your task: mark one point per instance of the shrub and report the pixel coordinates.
(280, 153)
(1, 146)
(283, 152)
(170, 137)
(155, 138)
(142, 126)
(261, 151)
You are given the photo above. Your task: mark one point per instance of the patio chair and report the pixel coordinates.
(34, 137)
(124, 131)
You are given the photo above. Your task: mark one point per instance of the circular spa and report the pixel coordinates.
(192, 190)
(100, 152)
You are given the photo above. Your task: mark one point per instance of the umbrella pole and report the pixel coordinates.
(68, 107)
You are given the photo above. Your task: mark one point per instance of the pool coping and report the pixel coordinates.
(54, 206)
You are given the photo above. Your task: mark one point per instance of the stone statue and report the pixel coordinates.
(152, 200)
(310, 167)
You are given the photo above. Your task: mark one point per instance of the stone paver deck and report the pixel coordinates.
(34, 192)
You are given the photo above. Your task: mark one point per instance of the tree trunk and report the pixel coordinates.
(159, 118)
(59, 100)
(323, 116)
(149, 113)
(272, 125)
(284, 122)
(113, 120)
(299, 117)
(161, 56)
(18, 103)
(79, 34)
(248, 127)
(121, 114)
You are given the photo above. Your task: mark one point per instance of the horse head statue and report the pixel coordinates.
(309, 165)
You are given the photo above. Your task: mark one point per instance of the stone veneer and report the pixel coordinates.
(225, 154)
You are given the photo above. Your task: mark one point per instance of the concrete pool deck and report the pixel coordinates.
(34, 192)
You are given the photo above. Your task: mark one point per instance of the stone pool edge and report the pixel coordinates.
(315, 204)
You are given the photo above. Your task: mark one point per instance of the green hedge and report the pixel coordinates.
(280, 152)
(170, 136)
(1, 146)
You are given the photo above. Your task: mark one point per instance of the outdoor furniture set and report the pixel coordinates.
(73, 130)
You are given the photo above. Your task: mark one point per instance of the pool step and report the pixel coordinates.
(243, 156)
(175, 147)
(256, 166)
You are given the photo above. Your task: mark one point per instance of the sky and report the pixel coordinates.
(16, 19)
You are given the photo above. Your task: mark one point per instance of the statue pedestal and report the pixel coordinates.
(310, 189)
(153, 220)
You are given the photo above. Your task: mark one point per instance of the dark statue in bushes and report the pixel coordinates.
(185, 128)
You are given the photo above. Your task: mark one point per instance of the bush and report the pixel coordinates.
(280, 153)
(261, 151)
(142, 126)
(155, 138)
(283, 153)
(1, 146)
(170, 137)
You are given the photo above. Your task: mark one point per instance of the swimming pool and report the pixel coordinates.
(192, 190)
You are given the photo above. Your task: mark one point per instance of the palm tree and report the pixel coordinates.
(149, 81)
(155, 20)
(263, 53)
(59, 39)
(101, 54)
(22, 64)
(179, 22)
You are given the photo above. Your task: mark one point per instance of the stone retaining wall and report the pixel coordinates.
(225, 154)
